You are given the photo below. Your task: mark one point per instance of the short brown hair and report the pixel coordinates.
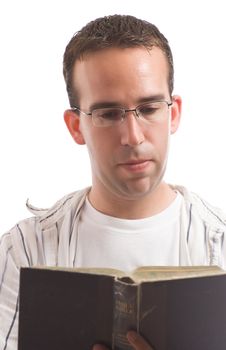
(113, 31)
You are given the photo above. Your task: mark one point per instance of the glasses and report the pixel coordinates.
(148, 112)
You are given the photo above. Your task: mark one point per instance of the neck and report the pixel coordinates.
(151, 204)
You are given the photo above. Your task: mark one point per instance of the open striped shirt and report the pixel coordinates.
(50, 238)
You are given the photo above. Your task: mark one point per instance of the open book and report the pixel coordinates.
(174, 308)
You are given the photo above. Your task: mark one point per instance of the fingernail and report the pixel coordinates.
(132, 336)
(99, 347)
(96, 347)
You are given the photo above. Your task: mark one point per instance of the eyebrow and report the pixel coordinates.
(106, 104)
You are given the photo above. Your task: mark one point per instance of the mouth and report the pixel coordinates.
(136, 165)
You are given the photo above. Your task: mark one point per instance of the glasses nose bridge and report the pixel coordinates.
(134, 110)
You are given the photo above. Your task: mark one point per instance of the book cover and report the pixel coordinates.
(174, 309)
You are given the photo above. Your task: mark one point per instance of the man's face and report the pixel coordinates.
(128, 160)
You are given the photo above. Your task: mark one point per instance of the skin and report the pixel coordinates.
(128, 160)
(137, 342)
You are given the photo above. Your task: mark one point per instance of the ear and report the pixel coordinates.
(175, 113)
(72, 121)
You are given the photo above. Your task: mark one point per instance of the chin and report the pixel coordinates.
(137, 192)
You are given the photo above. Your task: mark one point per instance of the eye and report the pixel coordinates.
(148, 109)
(109, 113)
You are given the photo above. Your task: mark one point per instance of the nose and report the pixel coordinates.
(131, 130)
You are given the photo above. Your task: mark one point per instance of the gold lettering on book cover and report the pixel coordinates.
(124, 307)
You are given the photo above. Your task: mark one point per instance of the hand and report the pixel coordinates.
(137, 342)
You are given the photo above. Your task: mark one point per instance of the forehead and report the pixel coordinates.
(121, 73)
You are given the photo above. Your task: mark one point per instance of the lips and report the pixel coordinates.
(133, 162)
(137, 165)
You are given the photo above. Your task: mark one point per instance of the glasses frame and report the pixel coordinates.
(124, 110)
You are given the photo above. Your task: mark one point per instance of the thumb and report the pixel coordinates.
(137, 341)
(99, 347)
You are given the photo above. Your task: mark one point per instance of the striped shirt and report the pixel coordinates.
(50, 238)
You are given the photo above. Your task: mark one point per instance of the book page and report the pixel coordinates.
(161, 273)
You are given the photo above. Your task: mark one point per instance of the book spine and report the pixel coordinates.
(125, 314)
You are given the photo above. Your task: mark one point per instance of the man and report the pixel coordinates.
(119, 76)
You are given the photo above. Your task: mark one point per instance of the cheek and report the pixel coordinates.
(160, 137)
(99, 147)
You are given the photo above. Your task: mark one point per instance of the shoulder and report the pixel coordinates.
(208, 213)
(204, 229)
(71, 202)
(23, 242)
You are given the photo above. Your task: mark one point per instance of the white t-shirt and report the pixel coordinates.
(105, 241)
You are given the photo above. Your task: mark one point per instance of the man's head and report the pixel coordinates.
(117, 31)
(119, 77)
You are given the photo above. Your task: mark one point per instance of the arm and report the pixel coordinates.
(9, 285)
(137, 342)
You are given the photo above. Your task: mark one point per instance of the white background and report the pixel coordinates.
(39, 159)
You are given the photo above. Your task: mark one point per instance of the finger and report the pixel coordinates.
(99, 347)
(137, 341)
